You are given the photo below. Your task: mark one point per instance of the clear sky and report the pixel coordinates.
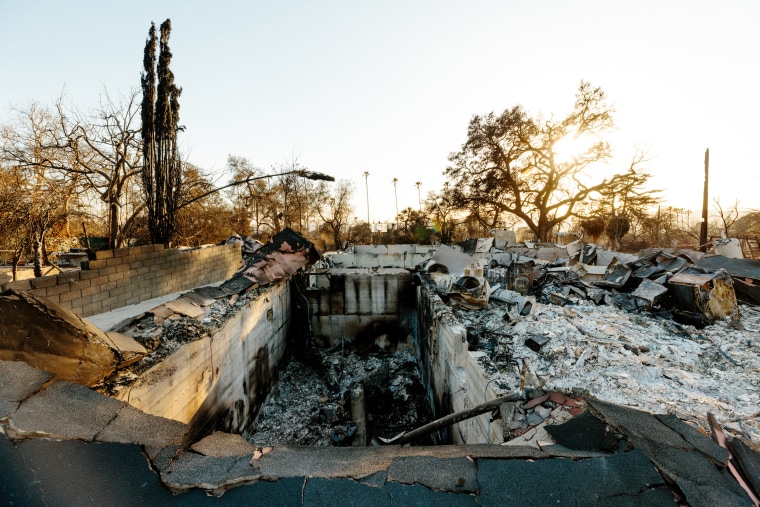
(389, 87)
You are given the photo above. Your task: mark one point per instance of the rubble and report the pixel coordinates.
(285, 254)
(657, 332)
(311, 403)
(162, 330)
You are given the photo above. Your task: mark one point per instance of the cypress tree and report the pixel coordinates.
(162, 166)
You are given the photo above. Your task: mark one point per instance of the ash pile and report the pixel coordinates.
(662, 331)
(342, 397)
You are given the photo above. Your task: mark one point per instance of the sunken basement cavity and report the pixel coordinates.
(341, 371)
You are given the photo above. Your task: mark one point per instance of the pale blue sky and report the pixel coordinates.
(389, 87)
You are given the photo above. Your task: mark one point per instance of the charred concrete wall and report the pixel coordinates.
(458, 378)
(377, 306)
(222, 380)
(127, 276)
(374, 307)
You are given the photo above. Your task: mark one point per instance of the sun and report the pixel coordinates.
(571, 146)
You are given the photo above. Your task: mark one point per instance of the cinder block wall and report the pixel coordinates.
(363, 305)
(126, 276)
(458, 377)
(224, 379)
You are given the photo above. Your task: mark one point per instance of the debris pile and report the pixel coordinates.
(316, 400)
(653, 331)
(201, 312)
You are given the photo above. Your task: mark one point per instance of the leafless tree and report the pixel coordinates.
(105, 144)
(728, 217)
(335, 209)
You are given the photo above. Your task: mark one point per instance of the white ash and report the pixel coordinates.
(636, 359)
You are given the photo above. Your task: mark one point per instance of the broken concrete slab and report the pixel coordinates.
(184, 306)
(63, 410)
(457, 474)
(134, 426)
(221, 445)
(18, 381)
(191, 471)
(52, 338)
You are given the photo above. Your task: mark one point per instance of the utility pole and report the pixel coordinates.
(703, 230)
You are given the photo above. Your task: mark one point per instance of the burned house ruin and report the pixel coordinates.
(546, 360)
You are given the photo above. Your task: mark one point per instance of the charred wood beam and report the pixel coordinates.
(458, 417)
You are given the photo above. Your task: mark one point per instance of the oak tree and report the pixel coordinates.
(510, 163)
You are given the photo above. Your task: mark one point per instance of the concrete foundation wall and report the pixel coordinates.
(383, 256)
(458, 378)
(222, 379)
(368, 306)
(127, 276)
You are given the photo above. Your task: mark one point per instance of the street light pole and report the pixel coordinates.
(419, 199)
(366, 185)
(395, 192)
(303, 173)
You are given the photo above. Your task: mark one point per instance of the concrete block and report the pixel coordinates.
(69, 295)
(42, 282)
(114, 261)
(97, 264)
(115, 277)
(351, 296)
(103, 254)
(364, 285)
(377, 284)
(20, 285)
(337, 303)
(55, 290)
(92, 308)
(82, 284)
(89, 275)
(108, 270)
(324, 303)
(38, 292)
(121, 252)
(72, 276)
(100, 296)
(98, 280)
